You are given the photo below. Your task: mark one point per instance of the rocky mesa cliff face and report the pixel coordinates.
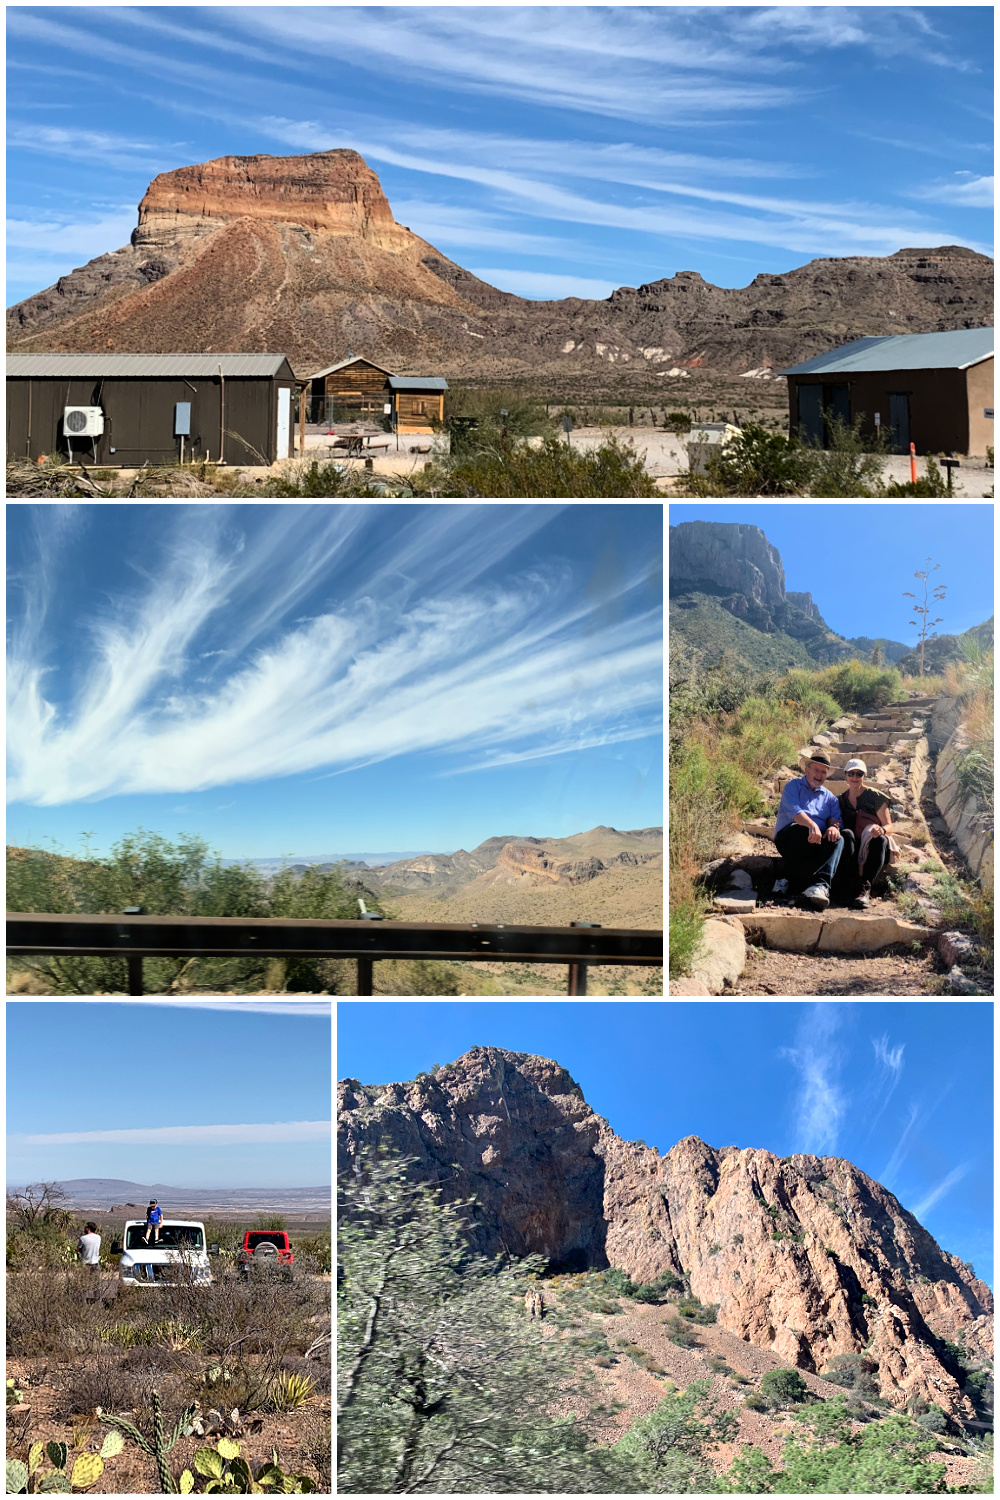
(302, 255)
(807, 1256)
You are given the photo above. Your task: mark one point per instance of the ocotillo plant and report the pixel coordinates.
(159, 1447)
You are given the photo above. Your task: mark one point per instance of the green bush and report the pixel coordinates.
(758, 463)
(853, 686)
(932, 486)
(686, 935)
(850, 465)
(681, 1334)
(753, 1402)
(510, 470)
(695, 1312)
(783, 1387)
(933, 1420)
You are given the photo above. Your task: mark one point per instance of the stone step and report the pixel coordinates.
(839, 758)
(836, 932)
(920, 702)
(868, 742)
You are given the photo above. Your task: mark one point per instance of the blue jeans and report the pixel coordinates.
(805, 863)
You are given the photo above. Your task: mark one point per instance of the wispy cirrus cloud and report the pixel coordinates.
(961, 190)
(890, 1060)
(414, 652)
(278, 1132)
(899, 1151)
(937, 1193)
(820, 1103)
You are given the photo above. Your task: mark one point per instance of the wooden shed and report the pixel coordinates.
(934, 390)
(417, 401)
(358, 387)
(354, 387)
(123, 410)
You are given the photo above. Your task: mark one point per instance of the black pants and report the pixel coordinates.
(849, 879)
(805, 863)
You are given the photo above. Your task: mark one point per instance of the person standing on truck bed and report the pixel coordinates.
(154, 1217)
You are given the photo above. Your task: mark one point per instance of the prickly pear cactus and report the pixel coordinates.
(17, 1477)
(112, 1445)
(58, 1454)
(87, 1470)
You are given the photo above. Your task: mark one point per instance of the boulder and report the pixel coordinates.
(760, 828)
(740, 880)
(687, 987)
(722, 956)
(961, 984)
(955, 947)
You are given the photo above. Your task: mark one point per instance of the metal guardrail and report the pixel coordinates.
(138, 937)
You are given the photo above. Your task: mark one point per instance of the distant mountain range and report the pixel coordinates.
(302, 255)
(103, 1192)
(270, 864)
(728, 598)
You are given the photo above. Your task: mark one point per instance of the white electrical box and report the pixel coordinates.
(83, 421)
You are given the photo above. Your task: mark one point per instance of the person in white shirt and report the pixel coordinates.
(89, 1247)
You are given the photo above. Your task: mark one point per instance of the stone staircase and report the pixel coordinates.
(892, 743)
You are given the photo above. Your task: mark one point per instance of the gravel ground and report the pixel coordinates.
(893, 971)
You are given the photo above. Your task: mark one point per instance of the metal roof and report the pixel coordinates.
(418, 383)
(109, 366)
(956, 349)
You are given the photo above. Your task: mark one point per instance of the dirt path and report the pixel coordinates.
(894, 971)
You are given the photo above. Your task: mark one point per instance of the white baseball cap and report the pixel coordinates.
(856, 765)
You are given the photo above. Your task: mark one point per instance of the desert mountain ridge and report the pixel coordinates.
(727, 593)
(517, 859)
(807, 1257)
(302, 255)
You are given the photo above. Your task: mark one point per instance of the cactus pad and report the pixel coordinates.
(227, 1448)
(87, 1470)
(112, 1445)
(208, 1462)
(17, 1477)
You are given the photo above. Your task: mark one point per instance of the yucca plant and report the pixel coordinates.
(292, 1391)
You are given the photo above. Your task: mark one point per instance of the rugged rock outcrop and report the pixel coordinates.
(807, 1256)
(712, 558)
(302, 255)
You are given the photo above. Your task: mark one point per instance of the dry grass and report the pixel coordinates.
(625, 897)
(79, 1346)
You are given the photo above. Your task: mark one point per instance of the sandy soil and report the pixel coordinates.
(893, 971)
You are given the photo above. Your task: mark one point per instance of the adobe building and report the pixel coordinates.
(934, 390)
(359, 388)
(124, 410)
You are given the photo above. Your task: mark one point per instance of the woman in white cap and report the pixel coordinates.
(867, 830)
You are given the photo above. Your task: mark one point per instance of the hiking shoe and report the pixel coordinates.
(862, 900)
(816, 896)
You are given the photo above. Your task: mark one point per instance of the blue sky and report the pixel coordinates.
(554, 151)
(904, 1090)
(328, 679)
(857, 560)
(191, 1093)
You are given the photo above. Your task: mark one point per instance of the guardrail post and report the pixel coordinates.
(578, 971)
(365, 966)
(135, 976)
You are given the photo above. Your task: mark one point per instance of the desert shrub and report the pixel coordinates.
(509, 470)
(682, 1334)
(932, 485)
(526, 415)
(933, 1420)
(758, 463)
(668, 1450)
(696, 1312)
(853, 686)
(884, 1457)
(783, 1387)
(111, 1379)
(855, 1372)
(50, 1313)
(618, 1281)
(850, 464)
(753, 1402)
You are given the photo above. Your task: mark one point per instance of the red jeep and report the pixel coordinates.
(266, 1249)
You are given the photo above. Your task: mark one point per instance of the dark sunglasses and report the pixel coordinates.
(854, 773)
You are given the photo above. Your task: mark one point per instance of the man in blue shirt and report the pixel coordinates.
(807, 833)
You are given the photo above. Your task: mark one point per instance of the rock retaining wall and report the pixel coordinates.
(970, 825)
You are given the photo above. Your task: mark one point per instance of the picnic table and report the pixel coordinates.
(356, 444)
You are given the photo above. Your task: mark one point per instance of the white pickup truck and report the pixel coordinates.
(179, 1256)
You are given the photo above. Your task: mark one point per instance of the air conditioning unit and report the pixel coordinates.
(83, 421)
